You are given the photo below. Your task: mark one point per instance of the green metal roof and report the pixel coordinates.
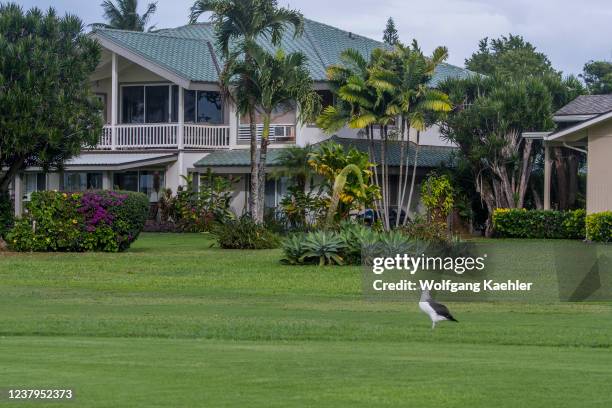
(186, 50)
(429, 156)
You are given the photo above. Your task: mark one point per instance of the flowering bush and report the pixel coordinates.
(91, 221)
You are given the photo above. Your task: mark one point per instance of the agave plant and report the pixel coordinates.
(326, 246)
(358, 239)
(295, 250)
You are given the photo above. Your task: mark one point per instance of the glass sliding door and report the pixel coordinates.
(157, 104)
(132, 104)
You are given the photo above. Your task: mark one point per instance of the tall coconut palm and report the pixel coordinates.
(238, 25)
(124, 15)
(278, 81)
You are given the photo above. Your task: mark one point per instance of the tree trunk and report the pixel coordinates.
(572, 169)
(265, 141)
(561, 175)
(16, 166)
(254, 190)
(384, 170)
(412, 182)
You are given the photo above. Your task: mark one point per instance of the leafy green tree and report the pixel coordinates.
(491, 114)
(124, 15)
(597, 76)
(390, 35)
(509, 56)
(514, 59)
(238, 24)
(47, 110)
(278, 81)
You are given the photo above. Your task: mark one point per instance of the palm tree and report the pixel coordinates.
(293, 163)
(124, 15)
(276, 81)
(391, 89)
(238, 25)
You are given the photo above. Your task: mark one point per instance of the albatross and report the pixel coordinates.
(436, 311)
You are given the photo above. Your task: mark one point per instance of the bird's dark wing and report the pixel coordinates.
(441, 310)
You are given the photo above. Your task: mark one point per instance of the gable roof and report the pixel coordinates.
(587, 105)
(188, 51)
(429, 156)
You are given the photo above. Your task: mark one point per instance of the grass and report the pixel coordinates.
(174, 322)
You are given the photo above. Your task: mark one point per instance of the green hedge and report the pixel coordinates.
(91, 221)
(599, 227)
(521, 223)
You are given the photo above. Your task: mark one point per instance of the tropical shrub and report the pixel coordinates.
(244, 233)
(437, 196)
(599, 227)
(522, 223)
(329, 160)
(92, 221)
(301, 210)
(195, 211)
(423, 230)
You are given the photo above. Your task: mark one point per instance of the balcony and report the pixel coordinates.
(164, 136)
(279, 133)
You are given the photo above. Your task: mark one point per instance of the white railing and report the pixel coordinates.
(146, 135)
(164, 136)
(203, 137)
(279, 133)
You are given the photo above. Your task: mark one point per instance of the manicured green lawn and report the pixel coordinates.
(174, 322)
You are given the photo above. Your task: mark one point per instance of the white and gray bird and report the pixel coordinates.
(437, 312)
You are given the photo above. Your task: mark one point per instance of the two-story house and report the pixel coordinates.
(165, 117)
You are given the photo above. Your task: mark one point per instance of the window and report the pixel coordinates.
(209, 109)
(327, 98)
(133, 105)
(157, 108)
(190, 106)
(33, 182)
(127, 181)
(81, 181)
(150, 183)
(159, 104)
(147, 182)
(275, 190)
(203, 107)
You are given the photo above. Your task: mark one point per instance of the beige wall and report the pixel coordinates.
(599, 176)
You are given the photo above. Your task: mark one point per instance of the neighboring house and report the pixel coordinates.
(165, 117)
(585, 124)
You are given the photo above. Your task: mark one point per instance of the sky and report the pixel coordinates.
(570, 33)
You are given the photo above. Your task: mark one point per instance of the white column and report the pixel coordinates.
(106, 181)
(18, 191)
(547, 176)
(181, 118)
(233, 125)
(181, 135)
(114, 100)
